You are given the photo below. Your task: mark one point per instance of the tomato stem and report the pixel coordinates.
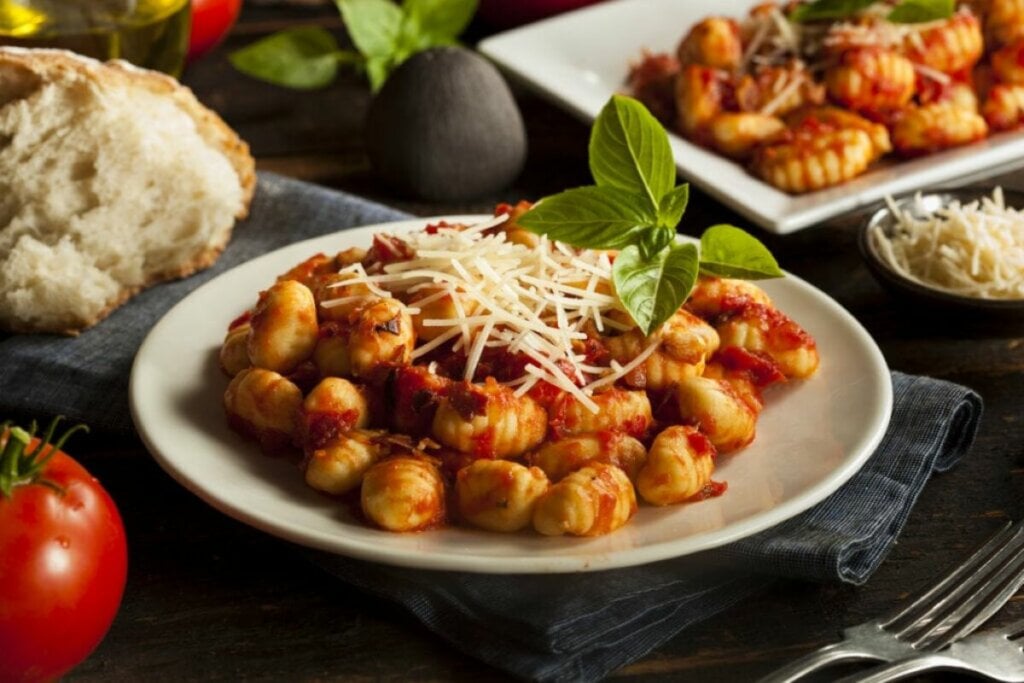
(20, 464)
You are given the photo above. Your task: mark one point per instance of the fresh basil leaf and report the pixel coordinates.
(653, 289)
(373, 25)
(653, 240)
(441, 21)
(377, 71)
(673, 206)
(920, 11)
(629, 150)
(727, 251)
(591, 217)
(304, 58)
(829, 9)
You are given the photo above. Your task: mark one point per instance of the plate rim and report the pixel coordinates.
(488, 564)
(999, 153)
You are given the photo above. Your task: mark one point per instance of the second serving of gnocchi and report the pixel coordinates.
(488, 377)
(809, 94)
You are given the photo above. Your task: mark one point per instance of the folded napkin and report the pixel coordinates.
(583, 626)
(86, 377)
(548, 627)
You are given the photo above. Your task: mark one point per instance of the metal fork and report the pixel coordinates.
(998, 654)
(951, 609)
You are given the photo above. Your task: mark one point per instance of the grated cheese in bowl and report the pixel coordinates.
(973, 249)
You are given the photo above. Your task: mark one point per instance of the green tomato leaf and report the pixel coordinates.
(829, 9)
(373, 25)
(629, 150)
(653, 289)
(920, 11)
(440, 21)
(591, 217)
(304, 58)
(727, 251)
(673, 206)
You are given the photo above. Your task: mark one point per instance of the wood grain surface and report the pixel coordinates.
(209, 598)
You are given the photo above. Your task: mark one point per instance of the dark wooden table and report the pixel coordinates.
(210, 598)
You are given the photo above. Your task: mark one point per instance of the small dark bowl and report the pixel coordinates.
(917, 293)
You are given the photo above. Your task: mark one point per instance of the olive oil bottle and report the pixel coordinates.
(149, 33)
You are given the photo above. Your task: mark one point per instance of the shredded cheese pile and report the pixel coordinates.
(974, 250)
(530, 300)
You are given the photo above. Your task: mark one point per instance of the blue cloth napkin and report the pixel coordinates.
(584, 626)
(548, 627)
(86, 377)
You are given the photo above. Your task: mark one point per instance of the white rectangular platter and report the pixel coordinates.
(579, 59)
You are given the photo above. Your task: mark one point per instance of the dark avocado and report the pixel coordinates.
(446, 128)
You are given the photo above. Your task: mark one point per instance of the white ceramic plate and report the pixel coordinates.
(580, 59)
(811, 438)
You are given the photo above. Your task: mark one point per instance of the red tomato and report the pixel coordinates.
(211, 21)
(63, 561)
(504, 13)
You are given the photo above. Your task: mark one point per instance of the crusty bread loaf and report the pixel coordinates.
(112, 178)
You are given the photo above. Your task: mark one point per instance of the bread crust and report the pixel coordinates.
(50, 65)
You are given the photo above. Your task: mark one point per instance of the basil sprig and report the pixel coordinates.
(384, 34)
(905, 11)
(634, 206)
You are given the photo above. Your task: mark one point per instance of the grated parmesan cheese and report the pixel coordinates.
(530, 300)
(974, 249)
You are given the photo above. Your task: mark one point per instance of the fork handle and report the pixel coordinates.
(906, 667)
(824, 656)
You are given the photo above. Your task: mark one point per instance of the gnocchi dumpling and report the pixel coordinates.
(814, 161)
(559, 458)
(934, 127)
(679, 466)
(713, 296)
(763, 329)
(618, 410)
(382, 334)
(334, 406)
(738, 134)
(592, 501)
(263, 405)
(700, 91)
(403, 493)
(950, 46)
(659, 371)
(713, 42)
(499, 495)
(871, 79)
(718, 410)
(331, 354)
(338, 466)
(234, 353)
(489, 421)
(284, 328)
(1004, 107)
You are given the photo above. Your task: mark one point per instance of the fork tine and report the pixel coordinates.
(912, 613)
(1015, 630)
(978, 607)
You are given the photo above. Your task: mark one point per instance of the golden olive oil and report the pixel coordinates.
(148, 33)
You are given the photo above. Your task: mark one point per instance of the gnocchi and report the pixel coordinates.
(338, 466)
(499, 495)
(403, 494)
(678, 467)
(808, 106)
(474, 421)
(592, 501)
